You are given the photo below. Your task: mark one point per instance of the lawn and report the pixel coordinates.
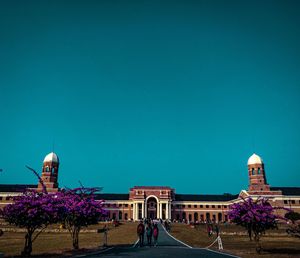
(235, 241)
(58, 243)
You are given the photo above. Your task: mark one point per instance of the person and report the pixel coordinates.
(155, 234)
(105, 229)
(209, 229)
(141, 232)
(149, 234)
(217, 229)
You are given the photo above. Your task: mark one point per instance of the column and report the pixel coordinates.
(134, 213)
(146, 209)
(170, 211)
(167, 210)
(143, 210)
(160, 210)
(157, 210)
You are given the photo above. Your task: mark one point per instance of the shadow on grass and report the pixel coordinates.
(281, 251)
(71, 253)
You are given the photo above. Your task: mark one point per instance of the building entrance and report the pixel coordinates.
(152, 208)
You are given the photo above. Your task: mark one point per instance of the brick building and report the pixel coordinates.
(163, 202)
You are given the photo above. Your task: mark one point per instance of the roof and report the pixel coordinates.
(205, 197)
(152, 187)
(15, 188)
(108, 196)
(254, 159)
(287, 190)
(51, 157)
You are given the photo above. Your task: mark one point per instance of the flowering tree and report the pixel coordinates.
(32, 211)
(78, 208)
(256, 216)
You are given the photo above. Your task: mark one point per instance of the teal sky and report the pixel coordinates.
(176, 93)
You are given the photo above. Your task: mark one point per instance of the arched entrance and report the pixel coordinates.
(152, 208)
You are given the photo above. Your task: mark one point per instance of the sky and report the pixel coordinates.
(155, 93)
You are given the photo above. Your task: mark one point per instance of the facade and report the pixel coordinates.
(162, 202)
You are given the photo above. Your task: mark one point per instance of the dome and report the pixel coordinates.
(51, 157)
(255, 159)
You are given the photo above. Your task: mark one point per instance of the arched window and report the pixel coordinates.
(208, 216)
(53, 170)
(219, 216)
(184, 216)
(47, 169)
(195, 217)
(126, 216)
(258, 171)
(253, 171)
(120, 215)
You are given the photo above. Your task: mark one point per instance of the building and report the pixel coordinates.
(163, 202)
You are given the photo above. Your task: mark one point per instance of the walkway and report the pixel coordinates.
(167, 247)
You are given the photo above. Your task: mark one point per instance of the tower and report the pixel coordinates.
(50, 173)
(257, 176)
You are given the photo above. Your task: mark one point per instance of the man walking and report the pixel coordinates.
(140, 232)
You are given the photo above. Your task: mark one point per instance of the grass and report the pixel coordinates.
(58, 244)
(235, 241)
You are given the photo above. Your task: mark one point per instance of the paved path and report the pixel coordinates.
(167, 247)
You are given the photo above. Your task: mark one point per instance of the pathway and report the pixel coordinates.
(168, 247)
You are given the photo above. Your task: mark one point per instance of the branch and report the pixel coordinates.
(40, 179)
(38, 233)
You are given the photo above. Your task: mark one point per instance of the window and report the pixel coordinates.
(53, 170)
(195, 206)
(201, 206)
(219, 206)
(285, 202)
(225, 206)
(213, 206)
(131, 205)
(120, 205)
(258, 171)
(253, 171)
(47, 169)
(177, 206)
(183, 206)
(207, 206)
(126, 205)
(293, 201)
(189, 206)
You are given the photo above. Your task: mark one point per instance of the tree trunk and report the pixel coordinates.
(28, 245)
(76, 238)
(258, 247)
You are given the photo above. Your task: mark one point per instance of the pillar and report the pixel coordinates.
(160, 210)
(143, 210)
(167, 210)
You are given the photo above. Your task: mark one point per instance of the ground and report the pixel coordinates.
(235, 241)
(275, 244)
(11, 243)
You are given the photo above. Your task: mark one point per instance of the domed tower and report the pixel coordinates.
(50, 173)
(257, 176)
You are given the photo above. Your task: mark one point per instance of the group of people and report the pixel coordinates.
(150, 229)
(213, 227)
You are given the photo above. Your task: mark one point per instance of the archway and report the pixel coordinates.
(195, 217)
(152, 208)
